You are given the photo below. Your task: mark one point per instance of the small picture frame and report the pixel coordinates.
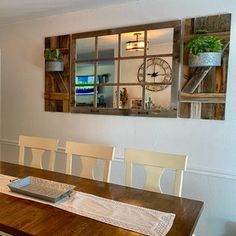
(136, 103)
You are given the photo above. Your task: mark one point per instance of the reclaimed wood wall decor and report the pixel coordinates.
(203, 89)
(200, 93)
(57, 83)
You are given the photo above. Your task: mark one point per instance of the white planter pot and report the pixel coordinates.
(54, 66)
(205, 59)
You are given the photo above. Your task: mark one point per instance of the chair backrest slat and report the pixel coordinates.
(154, 165)
(89, 153)
(38, 146)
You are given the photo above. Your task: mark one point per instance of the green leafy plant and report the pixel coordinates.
(53, 54)
(203, 43)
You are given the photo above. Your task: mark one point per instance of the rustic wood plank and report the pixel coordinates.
(184, 109)
(195, 110)
(225, 36)
(58, 81)
(215, 23)
(212, 81)
(203, 97)
(57, 96)
(175, 66)
(159, 25)
(196, 79)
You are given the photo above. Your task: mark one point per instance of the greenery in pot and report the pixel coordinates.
(203, 43)
(53, 54)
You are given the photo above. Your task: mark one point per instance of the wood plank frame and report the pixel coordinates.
(203, 95)
(176, 25)
(57, 84)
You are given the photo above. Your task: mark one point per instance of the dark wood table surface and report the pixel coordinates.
(24, 217)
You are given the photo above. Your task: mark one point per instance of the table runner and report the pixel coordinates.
(139, 219)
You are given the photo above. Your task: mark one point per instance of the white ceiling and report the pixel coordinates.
(12, 11)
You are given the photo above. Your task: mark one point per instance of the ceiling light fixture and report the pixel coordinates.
(136, 45)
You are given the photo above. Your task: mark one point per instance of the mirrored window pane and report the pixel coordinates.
(130, 70)
(157, 100)
(84, 96)
(84, 84)
(107, 97)
(108, 46)
(132, 44)
(107, 71)
(160, 41)
(85, 69)
(127, 96)
(85, 49)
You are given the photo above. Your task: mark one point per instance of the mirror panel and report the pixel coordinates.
(131, 97)
(84, 84)
(107, 72)
(131, 43)
(129, 70)
(132, 73)
(160, 41)
(108, 46)
(85, 49)
(107, 97)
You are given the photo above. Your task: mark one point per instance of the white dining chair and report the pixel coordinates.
(154, 164)
(89, 154)
(38, 146)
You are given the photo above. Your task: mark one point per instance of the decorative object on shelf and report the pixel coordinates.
(157, 71)
(123, 97)
(204, 50)
(136, 45)
(54, 60)
(135, 103)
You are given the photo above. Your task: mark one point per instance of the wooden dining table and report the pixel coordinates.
(24, 217)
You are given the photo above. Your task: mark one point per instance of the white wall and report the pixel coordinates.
(210, 145)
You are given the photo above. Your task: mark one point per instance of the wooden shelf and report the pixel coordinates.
(202, 97)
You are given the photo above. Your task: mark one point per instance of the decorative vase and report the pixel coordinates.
(205, 59)
(54, 66)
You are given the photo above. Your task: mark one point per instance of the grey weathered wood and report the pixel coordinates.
(203, 81)
(196, 79)
(215, 23)
(202, 97)
(175, 67)
(195, 110)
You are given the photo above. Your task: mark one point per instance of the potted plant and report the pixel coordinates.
(204, 50)
(54, 60)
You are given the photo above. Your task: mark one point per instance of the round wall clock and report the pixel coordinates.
(157, 71)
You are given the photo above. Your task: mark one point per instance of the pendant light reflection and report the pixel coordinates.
(136, 45)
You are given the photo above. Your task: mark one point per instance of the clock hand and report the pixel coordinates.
(154, 74)
(165, 74)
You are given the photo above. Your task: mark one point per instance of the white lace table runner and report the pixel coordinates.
(138, 219)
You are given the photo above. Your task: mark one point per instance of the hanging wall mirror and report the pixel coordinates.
(135, 70)
(127, 71)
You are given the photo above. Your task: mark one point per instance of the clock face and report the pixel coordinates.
(157, 71)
